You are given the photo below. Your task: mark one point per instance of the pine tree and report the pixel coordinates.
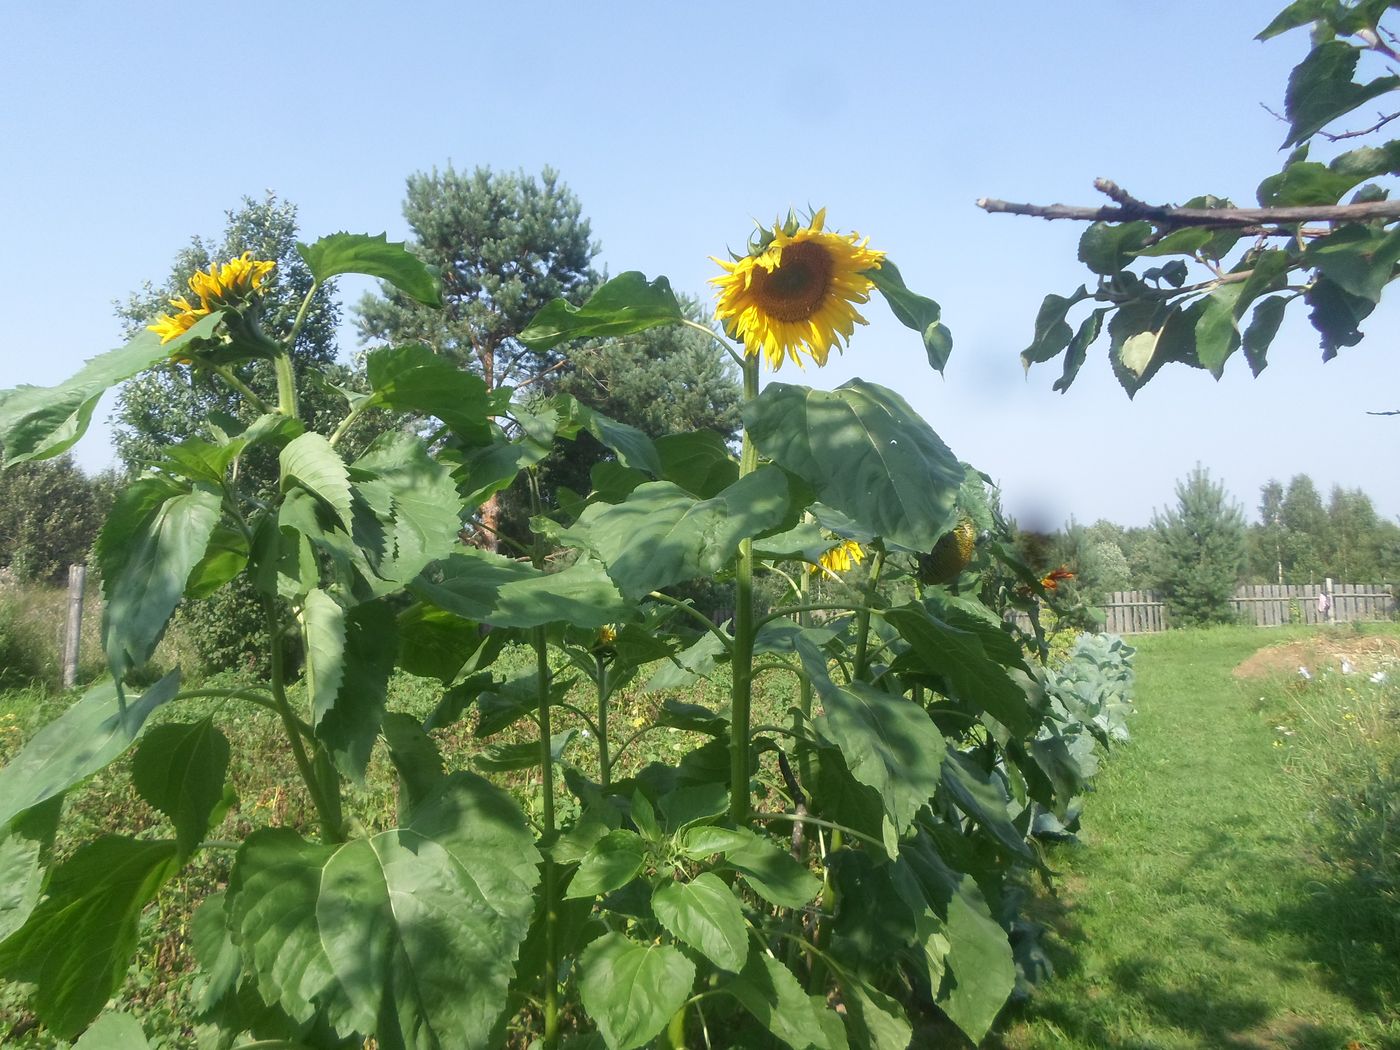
(1200, 551)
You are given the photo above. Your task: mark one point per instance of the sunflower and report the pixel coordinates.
(224, 285)
(841, 558)
(172, 325)
(233, 280)
(795, 291)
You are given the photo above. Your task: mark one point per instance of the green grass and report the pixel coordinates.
(1207, 905)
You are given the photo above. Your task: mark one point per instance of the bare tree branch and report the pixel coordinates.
(1244, 220)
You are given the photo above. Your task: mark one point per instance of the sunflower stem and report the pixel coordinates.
(744, 628)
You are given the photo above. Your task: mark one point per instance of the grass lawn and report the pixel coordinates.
(1200, 909)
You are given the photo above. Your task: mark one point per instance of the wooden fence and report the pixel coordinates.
(1265, 605)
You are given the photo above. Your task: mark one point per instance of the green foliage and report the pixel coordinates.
(1200, 551)
(1227, 289)
(50, 513)
(920, 745)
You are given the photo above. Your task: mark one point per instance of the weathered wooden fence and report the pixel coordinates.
(1265, 605)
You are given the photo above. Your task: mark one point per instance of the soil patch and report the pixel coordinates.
(1363, 655)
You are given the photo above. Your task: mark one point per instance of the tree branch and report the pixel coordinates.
(1244, 220)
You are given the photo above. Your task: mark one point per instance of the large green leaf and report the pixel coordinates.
(626, 304)
(865, 452)
(414, 379)
(1358, 259)
(340, 253)
(768, 990)
(147, 552)
(424, 521)
(179, 769)
(349, 727)
(699, 462)
(772, 872)
(82, 740)
(1321, 89)
(889, 743)
(880, 1021)
(631, 989)
(271, 909)
(78, 943)
(634, 449)
(24, 848)
(960, 656)
(114, 1032)
(488, 588)
(662, 535)
(410, 934)
(1108, 247)
(611, 863)
(705, 914)
(915, 311)
(311, 462)
(983, 970)
(41, 422)
(983, 797)
(323, 625)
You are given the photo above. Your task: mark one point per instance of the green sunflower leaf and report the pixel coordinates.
(915, 311)
(375, 256)
(626, 304)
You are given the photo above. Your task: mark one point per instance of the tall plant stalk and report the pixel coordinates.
(744, 628)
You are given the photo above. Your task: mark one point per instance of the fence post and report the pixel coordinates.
(72, 638)
(1331, 600)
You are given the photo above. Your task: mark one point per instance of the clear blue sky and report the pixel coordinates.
(128, 128)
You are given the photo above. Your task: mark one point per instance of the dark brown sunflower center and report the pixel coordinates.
(796, 289)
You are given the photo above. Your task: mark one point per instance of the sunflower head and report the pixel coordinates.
(843, 557)
(226, 284)
(796, 291)
(231, 282)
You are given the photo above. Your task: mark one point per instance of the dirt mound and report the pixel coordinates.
(1364, 654)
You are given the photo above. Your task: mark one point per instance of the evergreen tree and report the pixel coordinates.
(1200, 551)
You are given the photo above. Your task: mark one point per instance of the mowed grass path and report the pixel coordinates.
(1197, 912)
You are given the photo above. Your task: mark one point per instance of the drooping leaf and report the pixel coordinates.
(960, 656)
(24, 848)
(633, 448)
(179, 769)
(350, 725)
(983, 969)
(491, 589)
(79, 742)
(1359, 260)
(880, 1021)
(1052, 331)
(414, 379)
(147, 552)
(339, 253)
(662, 535)
(43, 422)
(1321, 89)
(889, 743)
(705, 914)
(982, 796)
(865, 452)
(78, 943)
(415, 757)
(915, 311)
(626, 304)
(631, 989)
(1263, 326)
(772, 872)
(768, 990)
(224, 558)
(1336, 314)
(505, 758)
(323, 622)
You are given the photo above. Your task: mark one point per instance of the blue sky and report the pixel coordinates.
(128, 128)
